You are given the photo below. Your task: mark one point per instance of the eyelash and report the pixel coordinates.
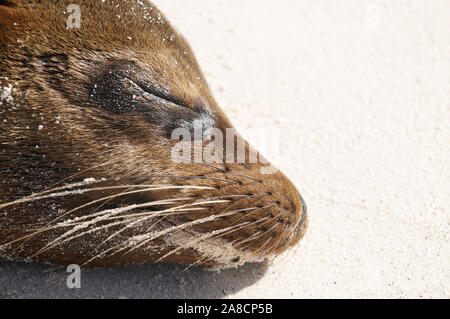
(164, 98)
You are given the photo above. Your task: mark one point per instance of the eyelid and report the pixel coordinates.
(158, 93)
(127, 88)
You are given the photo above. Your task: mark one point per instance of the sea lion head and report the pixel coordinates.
(94, 100)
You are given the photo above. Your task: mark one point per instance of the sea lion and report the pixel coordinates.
(87, 174)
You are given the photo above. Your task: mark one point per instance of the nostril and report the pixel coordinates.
(235, 260)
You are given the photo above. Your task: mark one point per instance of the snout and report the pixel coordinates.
(304, 208)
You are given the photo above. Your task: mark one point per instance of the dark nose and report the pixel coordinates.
(304, 208)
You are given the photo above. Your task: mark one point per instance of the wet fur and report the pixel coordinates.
(72, 126)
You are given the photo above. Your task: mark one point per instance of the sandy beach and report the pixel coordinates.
(360, 92)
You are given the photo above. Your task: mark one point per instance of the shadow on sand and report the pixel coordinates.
(29, 280)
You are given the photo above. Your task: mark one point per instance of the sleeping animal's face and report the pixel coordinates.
(93, 170)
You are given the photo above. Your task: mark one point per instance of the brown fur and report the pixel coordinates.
(54, 131)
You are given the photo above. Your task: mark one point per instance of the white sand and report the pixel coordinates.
(361, 93)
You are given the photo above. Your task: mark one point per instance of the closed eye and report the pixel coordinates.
(125, 87)
(159, 94)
